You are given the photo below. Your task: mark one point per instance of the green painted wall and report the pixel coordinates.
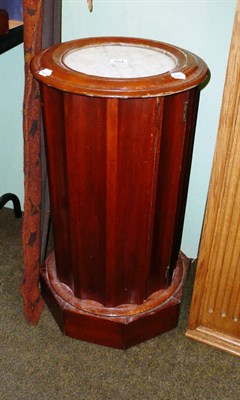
(203, 27)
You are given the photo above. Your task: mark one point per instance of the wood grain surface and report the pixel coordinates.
(215, 310)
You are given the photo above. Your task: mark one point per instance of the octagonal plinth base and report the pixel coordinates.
(119, 327)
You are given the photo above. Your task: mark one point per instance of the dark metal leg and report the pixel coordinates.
(5, 198)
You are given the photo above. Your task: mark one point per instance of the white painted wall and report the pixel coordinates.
(201, 26)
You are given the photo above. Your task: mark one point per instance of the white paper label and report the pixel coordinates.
(45, 72)
(118, 61)
(178, 75)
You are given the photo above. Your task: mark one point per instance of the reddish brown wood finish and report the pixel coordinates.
(68, 80)
(4, 22)
(118, 172)
(118, 327)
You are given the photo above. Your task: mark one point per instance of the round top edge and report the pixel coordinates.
(119, 67)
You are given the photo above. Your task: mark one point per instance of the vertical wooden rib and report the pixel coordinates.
(176, 130)
(138, 155)
(155, 173)
(111, 198)
(227, 219)
(215, 305)
(56, 155)
(236, 312)
(190, 117)
(86, 171)
(232, 253)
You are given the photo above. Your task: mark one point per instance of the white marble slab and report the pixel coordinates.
(120, 61)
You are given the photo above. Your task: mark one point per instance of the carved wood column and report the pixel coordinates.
(215, 309)
(118, 149)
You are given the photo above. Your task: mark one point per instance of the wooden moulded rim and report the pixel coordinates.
(68, 80)
(155, 300)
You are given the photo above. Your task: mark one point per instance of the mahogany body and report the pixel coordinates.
(118, 175)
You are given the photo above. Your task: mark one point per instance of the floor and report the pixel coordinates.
(39, 363)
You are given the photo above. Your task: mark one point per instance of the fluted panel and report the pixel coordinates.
(119, 155)
(215, 310)
(118, 191)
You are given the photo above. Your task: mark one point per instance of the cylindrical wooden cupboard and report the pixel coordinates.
(119, 116)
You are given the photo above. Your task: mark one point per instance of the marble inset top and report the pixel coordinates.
(120, 61)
